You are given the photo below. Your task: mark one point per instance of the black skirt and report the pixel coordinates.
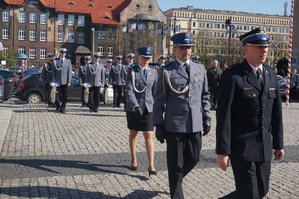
(145, 123)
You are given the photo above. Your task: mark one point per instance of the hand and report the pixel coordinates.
(206, 126)
(222, 161)
(68, 84)
(278, 154)
(160, 133)
(138, 112)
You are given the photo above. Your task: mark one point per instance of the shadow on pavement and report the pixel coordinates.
(62, 192)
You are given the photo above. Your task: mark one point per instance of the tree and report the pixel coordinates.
(11, 58)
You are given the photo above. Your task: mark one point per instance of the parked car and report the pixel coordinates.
(283, 87)
(11, 77)
(6, 88)
(32, 89)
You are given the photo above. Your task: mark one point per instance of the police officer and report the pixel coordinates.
(249, 118)
(181, 111)
(83, 76)
(47, 76)
(95, 79)
(117, 79)
(140, 85)
(161, 60)
(213, 75)
(130, 62)
(62, 75)
(106, 72)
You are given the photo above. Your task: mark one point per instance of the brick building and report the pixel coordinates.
(111, 27)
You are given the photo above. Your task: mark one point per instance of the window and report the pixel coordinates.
(22, 34)
(42, 53)
(5, 50)
(101, 50)
(70, 37)
(32, 53)
(43, 18)
(101, 34)
(5, 33)
(60, 19)
(32, 17)
(5, 16)
(22, 17)
(110, 50)
(21, 50)
(70, 21)
(81, 21)
(43, 35)
(32, 35)
(81, 37)
(60, 36)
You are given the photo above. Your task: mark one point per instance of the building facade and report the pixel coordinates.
(217, 32)
(38, 27)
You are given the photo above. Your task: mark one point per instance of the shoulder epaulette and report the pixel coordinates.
(153, 66)
(135, 67)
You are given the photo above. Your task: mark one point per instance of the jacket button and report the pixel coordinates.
(264, 106)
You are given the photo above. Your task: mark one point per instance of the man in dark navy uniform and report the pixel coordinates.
(47, 75)
(181, 111)
(249, 119)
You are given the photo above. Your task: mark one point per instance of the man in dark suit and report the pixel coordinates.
(213, 75)
(249, 119)
(62, 75)
(181, 111)
(47, 76)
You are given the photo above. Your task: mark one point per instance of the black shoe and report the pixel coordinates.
(62, 110)
(154, 173)
(118, 106)
(96, 110)
(90, 109)
(133, 168)
(57, 109)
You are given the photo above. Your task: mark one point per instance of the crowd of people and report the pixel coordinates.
(175, 99)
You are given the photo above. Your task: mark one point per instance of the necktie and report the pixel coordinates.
(187, 68)
(145, 73)
(259, 76)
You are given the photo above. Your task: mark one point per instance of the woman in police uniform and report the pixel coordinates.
(139, 88)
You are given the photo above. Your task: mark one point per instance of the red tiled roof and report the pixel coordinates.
(101, 11)
(14, 2)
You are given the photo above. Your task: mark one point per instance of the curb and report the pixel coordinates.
(5, 116)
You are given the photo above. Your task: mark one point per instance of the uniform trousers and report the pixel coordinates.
(183, 153)
(61, 97)
(48, 92)
(251, 178)
(94, 97)
(82, 95)
(117, 90)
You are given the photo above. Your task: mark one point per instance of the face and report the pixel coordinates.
(215, 63)
(182, 53)
(256, 55)
(118, 61)
(96, 59)
(62, 55)
(143, 61)
(162, 61)
(130, 59)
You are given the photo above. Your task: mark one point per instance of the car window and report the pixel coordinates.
(7, 74)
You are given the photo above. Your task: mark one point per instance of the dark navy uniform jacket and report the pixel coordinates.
(47, 72)
(249, 116)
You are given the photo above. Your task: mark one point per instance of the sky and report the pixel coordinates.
(272, 7)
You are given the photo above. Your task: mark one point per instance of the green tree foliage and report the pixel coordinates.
(11, 58)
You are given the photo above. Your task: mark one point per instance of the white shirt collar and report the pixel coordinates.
(256, 68)
(182, 63)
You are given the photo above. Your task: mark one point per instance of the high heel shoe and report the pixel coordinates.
(152, 173)
(133, 168)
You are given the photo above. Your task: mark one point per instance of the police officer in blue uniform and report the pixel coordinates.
(140, 86)
(117, 79)
(47, 75)
(249, 119)
(95, 78)
(82, 76)
(181, 111)
(62, 75)
(162, 60)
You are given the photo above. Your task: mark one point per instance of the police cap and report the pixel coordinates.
(255, 37)
(182, 39)
(145, 51)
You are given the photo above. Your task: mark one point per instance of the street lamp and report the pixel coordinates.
(228, 24)
(93, 40)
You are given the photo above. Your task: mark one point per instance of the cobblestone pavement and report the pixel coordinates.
(86, 155)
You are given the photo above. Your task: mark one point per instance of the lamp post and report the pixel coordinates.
(275, 50)
(228, 24)
(93, 40)
(174, 25)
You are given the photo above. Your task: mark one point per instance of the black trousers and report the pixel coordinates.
(82, 95)
(117, 90)
(183, 153)
(251, 178)
(47, 93)
(61, 97)
(94, 97)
